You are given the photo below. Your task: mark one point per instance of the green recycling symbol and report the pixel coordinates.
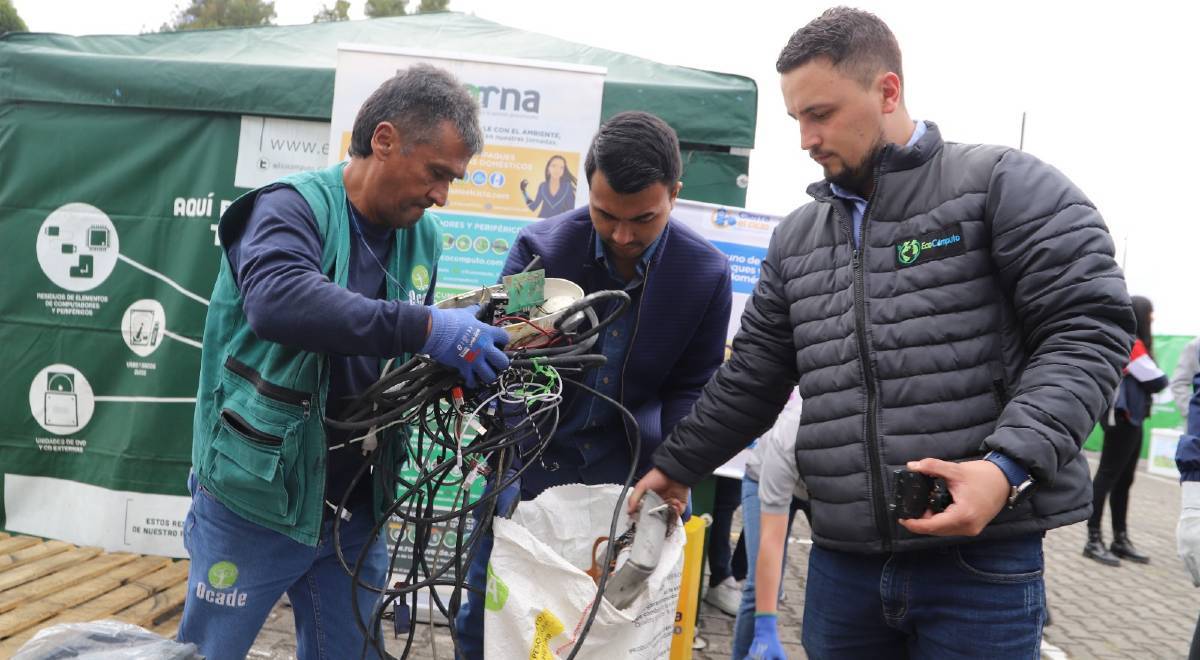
(420, 277)
(908, 251)
(222, 575)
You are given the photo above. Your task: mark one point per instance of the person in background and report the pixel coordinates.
(1122, 427)
(1187, 534)
(1186, 369)
(724, 588)
(772, 492)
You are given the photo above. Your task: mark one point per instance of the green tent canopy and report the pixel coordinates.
(117, 154)
(287, 71)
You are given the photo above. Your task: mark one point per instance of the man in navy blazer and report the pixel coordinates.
(660, 352)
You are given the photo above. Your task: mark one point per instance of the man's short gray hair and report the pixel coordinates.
(417, 101)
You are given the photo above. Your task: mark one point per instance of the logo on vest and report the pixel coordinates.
(420, 277)
(934, 245)
(420, 281)
(221, 576)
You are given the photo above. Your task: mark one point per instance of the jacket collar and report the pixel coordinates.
(895, 158)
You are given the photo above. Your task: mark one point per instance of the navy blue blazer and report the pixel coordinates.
(681, 333)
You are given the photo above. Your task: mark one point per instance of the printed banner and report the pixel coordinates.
(742, 235)
(538, 119)
(112, 260)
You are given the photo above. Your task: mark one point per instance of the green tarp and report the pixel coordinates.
(288, 71)
(103, 305)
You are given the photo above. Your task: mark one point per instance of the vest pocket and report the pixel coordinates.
(253, 462)
(250, 473)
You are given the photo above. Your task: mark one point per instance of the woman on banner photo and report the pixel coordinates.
(554, 195)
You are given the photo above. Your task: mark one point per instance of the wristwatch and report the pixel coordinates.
(1021, 492)
(1021, 484)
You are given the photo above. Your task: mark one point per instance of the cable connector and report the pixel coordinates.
(480, 468)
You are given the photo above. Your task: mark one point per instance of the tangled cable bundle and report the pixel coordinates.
(513, 420)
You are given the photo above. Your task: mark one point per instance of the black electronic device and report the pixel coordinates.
(914, 493)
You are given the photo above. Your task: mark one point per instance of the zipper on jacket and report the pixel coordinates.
(870, 424)
(266, 388)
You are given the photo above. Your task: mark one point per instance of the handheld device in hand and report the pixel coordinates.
(913, 493)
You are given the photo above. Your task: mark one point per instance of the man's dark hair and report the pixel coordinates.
(634, 150)
(417, 101)
(856, 42)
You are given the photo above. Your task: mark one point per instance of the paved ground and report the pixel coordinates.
(1132, 611)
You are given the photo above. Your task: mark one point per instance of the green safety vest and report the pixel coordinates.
(258, 437)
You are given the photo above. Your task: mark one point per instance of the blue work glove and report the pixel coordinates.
(766, 644)
(460, 341)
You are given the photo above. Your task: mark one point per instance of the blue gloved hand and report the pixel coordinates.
(766, 644)
(460, 341)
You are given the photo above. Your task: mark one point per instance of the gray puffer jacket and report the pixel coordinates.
(992, 315)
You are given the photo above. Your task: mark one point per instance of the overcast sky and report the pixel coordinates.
(1106, 87)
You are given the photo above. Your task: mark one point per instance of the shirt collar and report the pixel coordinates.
(601, 255)
(919, 130)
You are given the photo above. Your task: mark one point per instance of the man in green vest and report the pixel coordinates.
(324, 276)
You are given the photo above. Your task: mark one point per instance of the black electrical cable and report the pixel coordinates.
(427, 399)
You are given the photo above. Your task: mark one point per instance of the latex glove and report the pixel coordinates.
(460, 341)
(766, 644)
(1187, 535)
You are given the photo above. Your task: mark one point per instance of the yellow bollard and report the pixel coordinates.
(689, 590)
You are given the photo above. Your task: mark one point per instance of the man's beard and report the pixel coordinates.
(860, 179)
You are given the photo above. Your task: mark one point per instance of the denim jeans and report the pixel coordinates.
(468, 623)
(726, 496)
(240, 569)
(743, 628)
(984, 599)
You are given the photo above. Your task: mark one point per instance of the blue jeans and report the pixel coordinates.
(240, 569)
(743, 628)
(720, 555)
(468, 624)
(976, 600)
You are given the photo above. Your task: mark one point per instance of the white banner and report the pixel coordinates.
(538, 119)
(270, 148)
(742, 235)
(115, 520)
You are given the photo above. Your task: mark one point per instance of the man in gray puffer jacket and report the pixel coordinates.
(953, 309)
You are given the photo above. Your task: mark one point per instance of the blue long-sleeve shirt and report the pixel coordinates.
(288, 300)
(1187, 454)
